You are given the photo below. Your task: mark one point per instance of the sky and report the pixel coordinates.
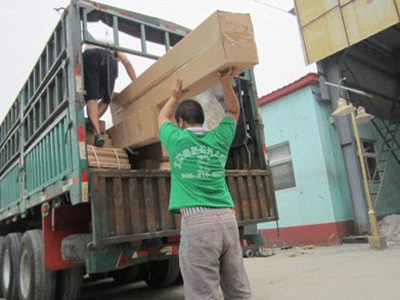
(26, 26)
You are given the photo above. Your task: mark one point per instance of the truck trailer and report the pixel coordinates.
(62, 219)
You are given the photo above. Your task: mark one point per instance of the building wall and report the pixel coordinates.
(318, 209)
(336, 172)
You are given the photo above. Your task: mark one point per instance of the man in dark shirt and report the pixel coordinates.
(100, 73)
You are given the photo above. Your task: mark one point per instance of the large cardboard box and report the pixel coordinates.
(221, 41)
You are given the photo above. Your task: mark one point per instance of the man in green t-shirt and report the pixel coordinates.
(210, 255)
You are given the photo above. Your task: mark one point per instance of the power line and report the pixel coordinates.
(271, 6)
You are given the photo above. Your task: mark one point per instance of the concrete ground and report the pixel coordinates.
(348, 271)
(345, 272)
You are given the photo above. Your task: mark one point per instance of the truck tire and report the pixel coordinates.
(9, 265)
(250, 253)
(179, 279)
(98, 276)
(35, 283)
(69, 283)
(1, 269)
(162, 273)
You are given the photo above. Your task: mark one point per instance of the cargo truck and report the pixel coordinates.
(61, 220)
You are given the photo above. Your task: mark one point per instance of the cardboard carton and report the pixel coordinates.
(221, 41)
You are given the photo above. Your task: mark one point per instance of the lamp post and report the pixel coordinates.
(375, 240)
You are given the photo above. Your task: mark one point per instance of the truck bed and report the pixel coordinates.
(133, 205)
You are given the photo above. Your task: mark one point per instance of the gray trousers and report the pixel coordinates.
(210, 256)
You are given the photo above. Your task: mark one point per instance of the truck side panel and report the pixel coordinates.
(133, 205)
(10, 187)
(48, 160)
(38, 139)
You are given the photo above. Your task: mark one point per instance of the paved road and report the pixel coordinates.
(338, 272)
(346, 272)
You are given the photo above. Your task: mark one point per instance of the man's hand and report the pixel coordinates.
(177, 91)
(226, 76)
(169, 107)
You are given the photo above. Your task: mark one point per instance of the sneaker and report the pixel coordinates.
(99, 140)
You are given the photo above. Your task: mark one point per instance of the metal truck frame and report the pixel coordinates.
(60, 219)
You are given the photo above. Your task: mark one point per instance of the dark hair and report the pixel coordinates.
(190, 111)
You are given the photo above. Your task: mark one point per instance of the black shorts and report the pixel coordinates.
(100, 73)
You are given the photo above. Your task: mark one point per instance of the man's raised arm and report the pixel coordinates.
(231, 101)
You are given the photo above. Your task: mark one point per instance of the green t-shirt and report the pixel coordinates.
(198, 165)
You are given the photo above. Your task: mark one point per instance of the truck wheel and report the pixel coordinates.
(69, 283)
(162, 273)
(125, 276)
(179, 279)
(35, 283)
(9, 265)
(249, 253)
(98, 276)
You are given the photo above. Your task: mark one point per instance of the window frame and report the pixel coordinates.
(279, 162)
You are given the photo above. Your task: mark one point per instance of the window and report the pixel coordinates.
(280, 162)
(371, 162)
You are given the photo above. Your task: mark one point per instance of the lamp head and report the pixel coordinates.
(343, 108)
(362, 116)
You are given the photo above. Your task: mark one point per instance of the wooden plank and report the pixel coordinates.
(164, 204)
(270, 196)
(254, 207)
(105, 151)
(110, 206)
(244, 198)
(109, 160)
(111, 155)
(99, 209)
(134, 205)
(109, 166)
(262, 195)
(119, 214)
(149, 204)
(127, 207)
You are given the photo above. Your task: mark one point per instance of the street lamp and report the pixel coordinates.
(375, 240)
